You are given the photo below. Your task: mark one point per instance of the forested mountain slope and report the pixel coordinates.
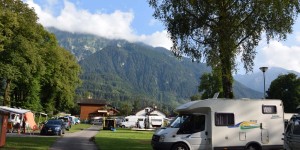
(118, 70)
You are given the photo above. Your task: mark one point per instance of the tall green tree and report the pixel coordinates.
(220, 30)
(38, 73)
(287, 88)
(19, 41)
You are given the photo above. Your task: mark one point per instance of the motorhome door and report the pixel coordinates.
(194, 130)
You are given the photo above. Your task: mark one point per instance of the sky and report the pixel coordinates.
(132, 20)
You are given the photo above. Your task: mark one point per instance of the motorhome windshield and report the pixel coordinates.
(179, 120)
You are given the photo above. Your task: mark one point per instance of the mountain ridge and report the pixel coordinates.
(118, 69)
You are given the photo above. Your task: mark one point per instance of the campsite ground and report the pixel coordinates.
(36, 141)
(105, 139)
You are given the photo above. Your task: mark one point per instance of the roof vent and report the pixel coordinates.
(216, 95)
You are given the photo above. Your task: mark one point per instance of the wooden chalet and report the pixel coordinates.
(95, 108)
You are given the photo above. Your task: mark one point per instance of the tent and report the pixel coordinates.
(29, 119)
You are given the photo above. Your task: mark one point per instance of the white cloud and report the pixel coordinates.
(116, 25)
(278, 55)
(157, 39)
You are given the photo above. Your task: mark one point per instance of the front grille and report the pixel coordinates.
(155, 138)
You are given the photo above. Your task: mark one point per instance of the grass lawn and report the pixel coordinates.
(28, 143)
(78, 127)
(124, 139)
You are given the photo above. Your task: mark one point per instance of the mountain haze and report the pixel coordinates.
(255, 80)
(120, 70)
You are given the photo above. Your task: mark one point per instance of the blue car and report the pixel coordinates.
(53, 127)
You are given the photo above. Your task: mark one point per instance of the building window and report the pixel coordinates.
(224, 119)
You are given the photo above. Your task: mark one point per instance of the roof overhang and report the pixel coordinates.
(13, 110)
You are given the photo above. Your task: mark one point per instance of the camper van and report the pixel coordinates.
(224, 124)
(132, 121)
(154, 121)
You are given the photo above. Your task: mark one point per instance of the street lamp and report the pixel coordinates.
(264, 69)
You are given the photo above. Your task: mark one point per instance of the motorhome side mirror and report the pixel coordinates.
(206, 133)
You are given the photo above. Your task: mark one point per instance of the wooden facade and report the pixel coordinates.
(95, 108)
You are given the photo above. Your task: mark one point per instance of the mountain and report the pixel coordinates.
(123, 70)
(120, 70)
(255, 81)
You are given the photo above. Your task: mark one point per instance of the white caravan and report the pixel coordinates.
(132, 121)
(156, 121)
(153, 121)
(224, 124)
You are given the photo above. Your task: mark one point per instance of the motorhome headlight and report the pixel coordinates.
(162, 138)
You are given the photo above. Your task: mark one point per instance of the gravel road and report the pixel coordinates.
(77, 141)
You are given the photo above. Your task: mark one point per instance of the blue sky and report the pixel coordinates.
(132, 20)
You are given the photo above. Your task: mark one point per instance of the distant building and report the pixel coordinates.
(150, 112)
(94, 107)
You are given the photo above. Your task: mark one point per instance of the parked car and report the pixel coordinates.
(67, 120)
(97, 121)
(53, 127)
(292, 134)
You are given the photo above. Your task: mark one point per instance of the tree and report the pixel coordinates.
(287, 88)
(219, 31)
(126, 108)
(18, 43)
(210, 84)
(37, 73)
(195, 97)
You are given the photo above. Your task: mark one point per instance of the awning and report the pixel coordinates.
(13, 110)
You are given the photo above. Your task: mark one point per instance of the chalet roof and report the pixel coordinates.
(92, 101)
(151, 110)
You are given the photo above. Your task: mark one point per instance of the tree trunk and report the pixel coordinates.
(6, 101)
(226, 50)
(227, 84)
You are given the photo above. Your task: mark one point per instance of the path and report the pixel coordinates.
(77, 141)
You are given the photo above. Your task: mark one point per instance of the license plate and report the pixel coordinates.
(49, 130)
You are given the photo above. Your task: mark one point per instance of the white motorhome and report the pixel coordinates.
(224, 124)
(132, 121)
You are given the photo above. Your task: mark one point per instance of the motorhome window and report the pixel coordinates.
(192, 124)
(224, 119)
(268, 109)
(178, 121)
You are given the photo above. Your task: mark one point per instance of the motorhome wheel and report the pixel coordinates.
(180, 146)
